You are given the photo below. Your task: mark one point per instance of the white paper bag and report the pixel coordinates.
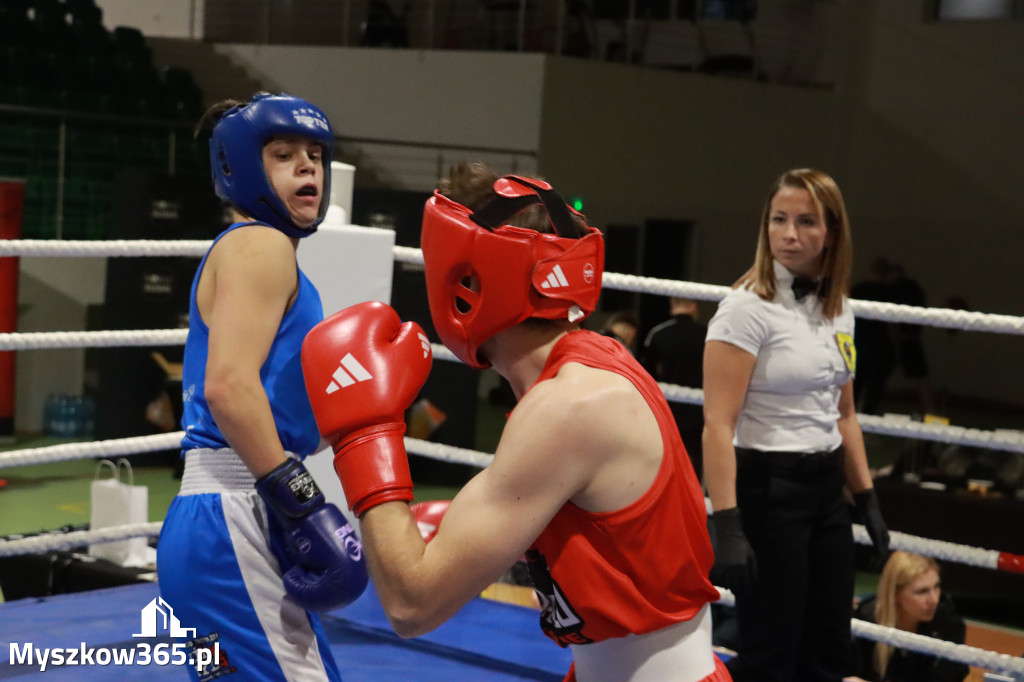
(117, 502)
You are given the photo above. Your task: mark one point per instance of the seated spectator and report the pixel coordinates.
(909, 598)
(623, 325)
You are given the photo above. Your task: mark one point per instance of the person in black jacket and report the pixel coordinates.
(876, 349)
(673, 352)
(909, 598)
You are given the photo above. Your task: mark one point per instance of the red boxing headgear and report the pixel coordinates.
(518, 272)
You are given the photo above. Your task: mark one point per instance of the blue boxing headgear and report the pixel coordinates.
(236, 156)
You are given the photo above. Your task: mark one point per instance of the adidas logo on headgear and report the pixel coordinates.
(348, 373)
(556, 279)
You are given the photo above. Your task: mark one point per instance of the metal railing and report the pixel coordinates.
(55, 153)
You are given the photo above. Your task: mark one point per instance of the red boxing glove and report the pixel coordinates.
(363, 368)
(428, 517)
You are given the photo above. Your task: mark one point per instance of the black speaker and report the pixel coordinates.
(616, 10)
(148, 292)
(666, 255)
(391, 209)
(621, 255)
(63, 572)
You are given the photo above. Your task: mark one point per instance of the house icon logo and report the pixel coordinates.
(160, 611)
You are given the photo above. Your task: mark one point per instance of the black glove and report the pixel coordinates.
(871, 516)
(735, 566)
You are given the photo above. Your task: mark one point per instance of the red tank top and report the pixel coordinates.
(637, 569)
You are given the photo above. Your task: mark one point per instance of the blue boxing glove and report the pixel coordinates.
(324, 568)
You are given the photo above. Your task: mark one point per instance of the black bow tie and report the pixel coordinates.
(802, 286)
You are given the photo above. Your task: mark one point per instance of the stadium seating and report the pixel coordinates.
(92, 97)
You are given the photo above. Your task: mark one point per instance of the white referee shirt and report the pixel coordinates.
(792, 403)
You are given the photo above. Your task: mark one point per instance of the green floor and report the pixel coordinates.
(46, 496)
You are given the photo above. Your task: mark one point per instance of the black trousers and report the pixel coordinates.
(794, 621)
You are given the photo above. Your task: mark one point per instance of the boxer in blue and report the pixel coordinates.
(249, 549)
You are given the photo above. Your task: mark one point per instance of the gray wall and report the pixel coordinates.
(642, 144)
(475, 99)
(923, 131)
(929, 121)
(54, 295)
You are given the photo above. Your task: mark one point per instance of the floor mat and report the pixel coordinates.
(486, 641)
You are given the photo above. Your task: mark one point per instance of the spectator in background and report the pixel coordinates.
(909, 347)
(876, 354)
(909, 598)
(623, 326)
(673, 353)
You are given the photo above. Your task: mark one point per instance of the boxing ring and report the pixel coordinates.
(487, 640)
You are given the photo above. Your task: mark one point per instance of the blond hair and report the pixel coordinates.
(900, 570)
(837, 261)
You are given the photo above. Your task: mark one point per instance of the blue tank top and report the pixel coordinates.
(281, 373)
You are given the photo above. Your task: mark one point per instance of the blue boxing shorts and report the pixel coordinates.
(219, 575)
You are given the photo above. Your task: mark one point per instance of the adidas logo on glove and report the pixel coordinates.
(348, 373)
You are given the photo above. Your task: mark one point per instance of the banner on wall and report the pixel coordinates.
(12, 206)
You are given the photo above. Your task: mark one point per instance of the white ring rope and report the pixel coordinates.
(892, 312)
(1011, 441)
(962, 653)
(872, 310)
(902, 426)
(52, 542)
(441, 352)
(96, 339)
(98, 448)
(935, 317)
(937, 549)
(448, 453)
(407, 254)
(69, 248)
(964, 554)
